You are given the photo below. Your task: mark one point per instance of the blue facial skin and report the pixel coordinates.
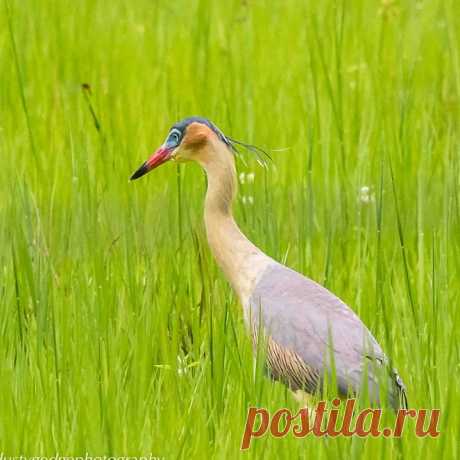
(173, 139)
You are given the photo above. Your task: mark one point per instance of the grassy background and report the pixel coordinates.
(118, 334)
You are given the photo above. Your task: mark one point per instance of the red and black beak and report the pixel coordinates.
(162, 155)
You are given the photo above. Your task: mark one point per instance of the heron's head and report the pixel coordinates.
(185, 141)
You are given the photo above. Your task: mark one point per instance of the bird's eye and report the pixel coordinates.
(174, 138)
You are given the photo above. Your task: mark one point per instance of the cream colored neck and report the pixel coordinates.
(241, 261)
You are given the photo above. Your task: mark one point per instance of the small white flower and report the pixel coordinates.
(247, 199)
(365, 195)
(246, 177)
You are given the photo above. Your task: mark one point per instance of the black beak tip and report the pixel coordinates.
(140, 172)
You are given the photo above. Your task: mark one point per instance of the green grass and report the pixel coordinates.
(118, 333)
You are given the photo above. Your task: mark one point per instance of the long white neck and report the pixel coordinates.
(240, 260)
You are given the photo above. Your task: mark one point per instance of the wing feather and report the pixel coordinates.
(311, 331)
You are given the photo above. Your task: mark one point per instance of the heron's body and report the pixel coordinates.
(309, 330)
